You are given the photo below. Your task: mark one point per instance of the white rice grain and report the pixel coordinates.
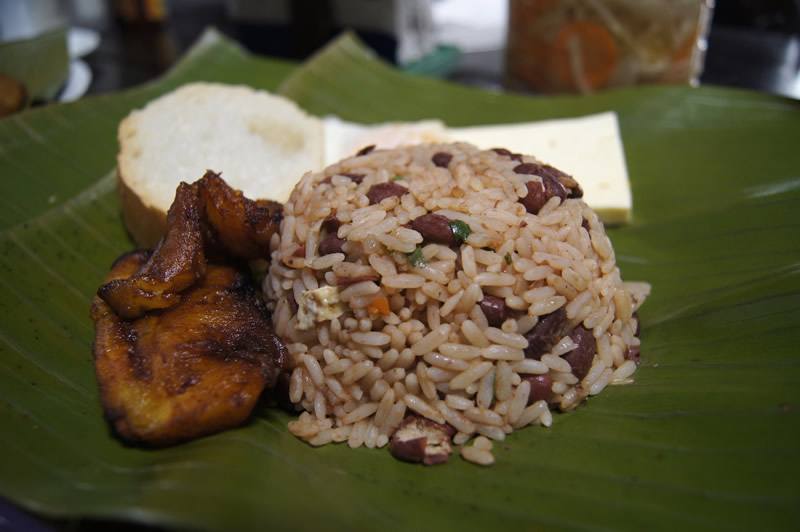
(427, 386)
(624, 371)
(477, 456)
(363, 411)
(513, 340)
(384, 408)
(403, 280)
(441, 361)
(314, 369)
(502, 352)
(503, 389)
(495, 279)
(431, 341)
(489, 431)
(465, 378)
(422, 408)
(474, 334)
(455, 418)
(468, 261)
(485, 394)
(371, 338)
(458, 402)
(530, 367)
(601, 382)
(531, 414)
(518, 402)
(460, 351)
(484, 416)
(355, 372)
(555, 363)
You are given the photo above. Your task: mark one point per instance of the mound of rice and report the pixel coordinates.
(519, 309)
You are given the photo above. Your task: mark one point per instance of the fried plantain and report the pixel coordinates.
(206, 218)
(242, 226)
(195, 368)
(177, 262)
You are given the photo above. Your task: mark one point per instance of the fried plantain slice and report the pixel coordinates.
(207, 217)
(242, 226)
(193, 369)
(177, 262)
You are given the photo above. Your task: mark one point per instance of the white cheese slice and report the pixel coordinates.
(589, 148)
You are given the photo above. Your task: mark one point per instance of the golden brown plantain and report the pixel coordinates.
(195, 368)
(207, 217)
(244, 227)
(177, 262)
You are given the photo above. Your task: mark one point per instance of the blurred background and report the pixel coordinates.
(63, 49)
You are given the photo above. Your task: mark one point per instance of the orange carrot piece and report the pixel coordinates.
(379, 306)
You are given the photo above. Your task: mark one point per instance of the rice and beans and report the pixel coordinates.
(436, 294)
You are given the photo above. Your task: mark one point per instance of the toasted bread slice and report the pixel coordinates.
(260, 143)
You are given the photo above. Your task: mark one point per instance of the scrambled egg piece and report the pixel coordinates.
(318, 305)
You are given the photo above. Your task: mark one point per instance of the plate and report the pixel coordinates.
(706, 438)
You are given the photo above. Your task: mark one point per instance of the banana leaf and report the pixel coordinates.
(706, 438)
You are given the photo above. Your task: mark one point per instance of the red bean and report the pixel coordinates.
(574, 190)
(331, 224)
(418, 439)
(356, 178)
(633, 353)
(381, 191)
(541, 388)
(507, 153)
(536, 197)
(495, 310)
(538, 169)
(539, 193)
(580, 359)
(434, 228)
(566, 183)
(442, 159)
(331, 244)
(545, 334)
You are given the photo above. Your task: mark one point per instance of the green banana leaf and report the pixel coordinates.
(706, 438)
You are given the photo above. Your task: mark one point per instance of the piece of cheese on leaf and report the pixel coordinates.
(588, 148)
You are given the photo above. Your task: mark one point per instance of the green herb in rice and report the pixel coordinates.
(461, 231)
(416, 258)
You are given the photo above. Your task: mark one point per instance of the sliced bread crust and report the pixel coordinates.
(261, 143)
(145, 223)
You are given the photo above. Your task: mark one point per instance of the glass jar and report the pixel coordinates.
(589, 45)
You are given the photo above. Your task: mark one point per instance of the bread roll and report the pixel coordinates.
(261, 143)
